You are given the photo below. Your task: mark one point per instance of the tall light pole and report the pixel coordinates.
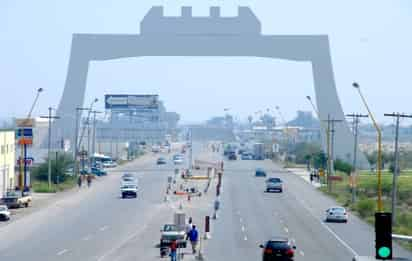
(379, 138)
(50, 117)
(23, 148)
(327, 132)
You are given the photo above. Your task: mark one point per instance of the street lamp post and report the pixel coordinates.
(379, 137)
(23, 148)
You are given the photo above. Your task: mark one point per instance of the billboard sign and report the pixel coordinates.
(24, 132)
(126, 101)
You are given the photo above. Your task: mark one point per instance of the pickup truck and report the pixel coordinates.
(14, 199)
(172, 232)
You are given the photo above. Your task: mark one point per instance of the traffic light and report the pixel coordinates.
(383, 233)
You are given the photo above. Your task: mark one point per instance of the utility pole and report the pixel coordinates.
(50, 117)
(76, 138)
(396, 171)
(355, 130)
(331, 154)
(94, 132)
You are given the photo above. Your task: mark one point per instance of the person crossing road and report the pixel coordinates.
(194, 237)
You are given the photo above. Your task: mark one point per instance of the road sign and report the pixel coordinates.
(25, 141)
(126, 101)
(29, 123)
(24, 132)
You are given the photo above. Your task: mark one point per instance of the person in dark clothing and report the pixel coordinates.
(79, 181)
(194, 237)
(89, 180)
(173, 250)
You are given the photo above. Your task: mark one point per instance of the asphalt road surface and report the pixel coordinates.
(96, 224)
(249, 216)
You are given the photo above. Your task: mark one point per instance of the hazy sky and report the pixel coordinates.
(371, 42)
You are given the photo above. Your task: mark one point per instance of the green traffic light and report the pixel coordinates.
(384, 252)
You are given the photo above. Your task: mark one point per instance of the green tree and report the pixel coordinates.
(304, 151)
(343, 166)
(58, 168)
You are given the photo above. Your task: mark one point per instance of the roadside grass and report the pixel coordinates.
(365, 205)
(43, 186)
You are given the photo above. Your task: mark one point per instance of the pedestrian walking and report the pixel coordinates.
(89, 180)
(173, 251)
(194, 237)
(79, 181)
(189, 227)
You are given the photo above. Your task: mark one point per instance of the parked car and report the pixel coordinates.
(178, 159)
(98, 172)
(336, 214)
(161, 161)
(278, 249)
(247, 156)
(14, 199)
(274, 184)
(109, 164)
(260, 172)
(4, 213)
(232, 155)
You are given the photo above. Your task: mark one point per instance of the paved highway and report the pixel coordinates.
(95, 224)
(249, 216)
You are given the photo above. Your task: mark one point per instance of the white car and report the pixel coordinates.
(109, 164)
(129, 186)
(4, 213)
(336, 214)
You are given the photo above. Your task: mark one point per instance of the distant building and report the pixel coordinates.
(7, 160)
(304, 119)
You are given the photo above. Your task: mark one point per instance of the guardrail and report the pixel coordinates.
(402, 237)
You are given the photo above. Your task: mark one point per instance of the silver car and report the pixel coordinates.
(4, 212)
(274, 184)
(336, 214)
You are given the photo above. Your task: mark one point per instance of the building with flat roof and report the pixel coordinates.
(7, 160)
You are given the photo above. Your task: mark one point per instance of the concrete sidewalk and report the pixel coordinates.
(304, 174)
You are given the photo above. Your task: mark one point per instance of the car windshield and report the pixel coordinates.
(169, 228)
(274, 180)
(2, 208)
(278, 244)
(129, 179)
(338, 210)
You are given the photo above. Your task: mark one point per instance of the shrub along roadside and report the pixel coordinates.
(60, 162)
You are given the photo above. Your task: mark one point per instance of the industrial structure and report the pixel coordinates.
(207, 36)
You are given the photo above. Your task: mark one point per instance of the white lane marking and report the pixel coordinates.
(62, 252)
(245, 238)
(301, 253)
(330, 230)
(286, 229)
(241, 220)
(243, 228)
(103, 228)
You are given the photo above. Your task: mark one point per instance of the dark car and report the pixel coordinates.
(260, 172)
(161, 161)
(278, 249)
(232, 156)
